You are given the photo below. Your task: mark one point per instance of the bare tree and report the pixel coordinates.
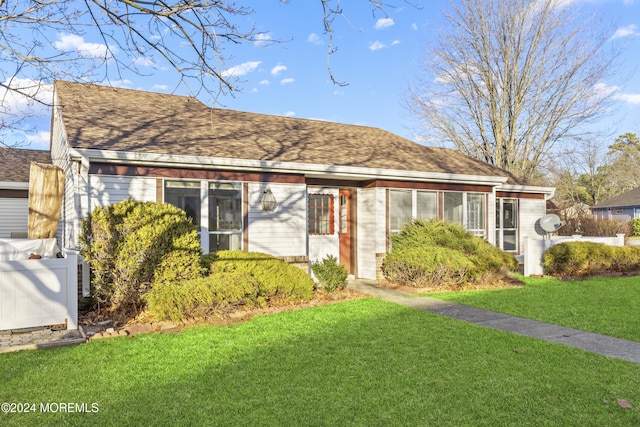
(189, 35)
(509, 80)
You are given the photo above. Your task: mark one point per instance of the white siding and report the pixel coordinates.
(281, 232)
(322, 245)
(13, 216)
(531, 210)
(367, 230)
(491, 219)
(69, 217)
(107, 190)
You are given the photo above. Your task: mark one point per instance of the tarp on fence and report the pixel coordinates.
(46, 190)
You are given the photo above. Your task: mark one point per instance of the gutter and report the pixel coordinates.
(306, 169)
(14, 185)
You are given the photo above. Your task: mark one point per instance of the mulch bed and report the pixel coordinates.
(99, 324)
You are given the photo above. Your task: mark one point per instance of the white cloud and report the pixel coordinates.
(414, 27)
(287, 80)
(628, 31)
(241, 70)
(69, 42)
(143, 61)
(383, 23)
(629, 98)
(338, 92)
(314, 39)
(377, 45)
(629, 2)
(121, 83)
(39, 140)
(262, 39)
(395, 42)
(160, 87)
(264, 82)
(278, 69)
(290, 113)
(27, 97)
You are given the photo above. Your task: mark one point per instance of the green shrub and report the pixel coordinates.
(635, 227)
(132, 245)
(331, 275)
(426, 266)
(276, 278)
(576, 259)
(436, 252)
(202, 297)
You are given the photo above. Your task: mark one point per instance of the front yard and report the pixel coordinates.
(604, 305)
(364, 362)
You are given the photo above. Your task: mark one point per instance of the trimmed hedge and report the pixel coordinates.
(432, 253)
(276, 278)
(578, 259)
(203, 297)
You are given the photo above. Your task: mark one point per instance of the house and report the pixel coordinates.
(15, 164)
(295, 188)
(623, 207)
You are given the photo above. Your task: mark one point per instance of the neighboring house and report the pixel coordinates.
(624, 206)
(339, 189)
(15, 164)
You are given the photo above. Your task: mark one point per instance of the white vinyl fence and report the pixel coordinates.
(534, 249)
(39, 292)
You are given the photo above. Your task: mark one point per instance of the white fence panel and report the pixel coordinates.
(534, 249)
(39, 292)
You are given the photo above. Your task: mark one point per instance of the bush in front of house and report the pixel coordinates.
(579, 259)
(635, 227)
(132, 245)
(203, 297)
(587, 225)
(437, 253)
(277, 279)
(331, 275)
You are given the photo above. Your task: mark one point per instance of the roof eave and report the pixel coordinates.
(307, 169)
(14, 185)
(549, 191)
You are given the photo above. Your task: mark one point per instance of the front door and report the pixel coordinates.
(345, 229)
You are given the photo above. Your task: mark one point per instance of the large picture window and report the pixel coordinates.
(321, 214)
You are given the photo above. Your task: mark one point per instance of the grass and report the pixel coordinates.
(362, 363)
(605, 305)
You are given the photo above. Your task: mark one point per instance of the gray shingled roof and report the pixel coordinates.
(16, 162)
(100, 117)
(630, 198)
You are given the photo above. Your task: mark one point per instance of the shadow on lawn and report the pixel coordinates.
(365, 362)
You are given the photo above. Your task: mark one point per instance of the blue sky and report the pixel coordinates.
(378, 56)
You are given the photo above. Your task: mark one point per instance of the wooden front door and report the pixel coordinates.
(345, 229)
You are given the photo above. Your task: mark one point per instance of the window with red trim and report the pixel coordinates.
(320, 214)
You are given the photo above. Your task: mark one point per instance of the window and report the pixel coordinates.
(476, 214)
(407, 204)
(320, 214)
(186, 196)
(400, 211)
(225, 216)
(427, 205)
(453, 207)
(507, 224)
(468, 210)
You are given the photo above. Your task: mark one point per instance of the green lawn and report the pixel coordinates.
(607, 305)
(365, 362)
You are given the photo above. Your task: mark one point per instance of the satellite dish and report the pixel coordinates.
(551, 223)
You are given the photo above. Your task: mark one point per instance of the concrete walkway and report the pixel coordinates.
(601, 344)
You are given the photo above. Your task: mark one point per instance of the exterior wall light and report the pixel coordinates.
(268, 201)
